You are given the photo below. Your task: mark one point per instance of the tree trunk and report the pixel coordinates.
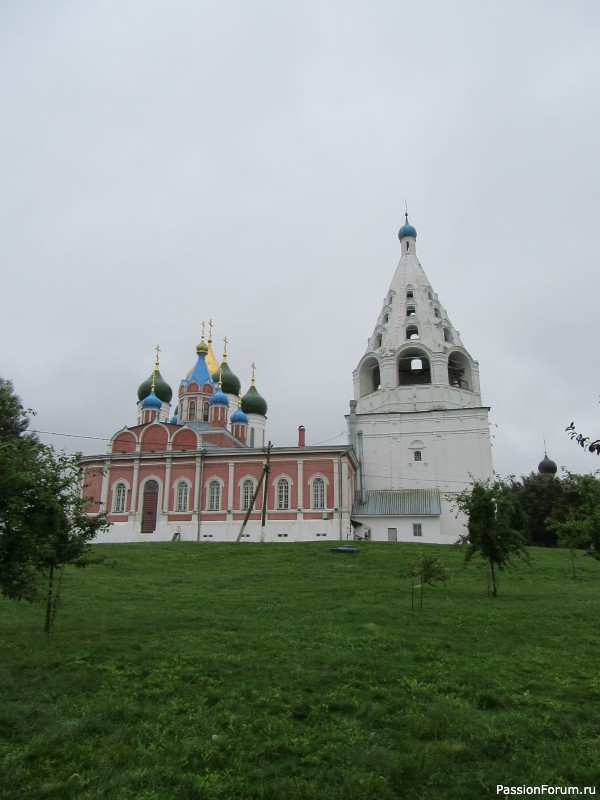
(494, 584)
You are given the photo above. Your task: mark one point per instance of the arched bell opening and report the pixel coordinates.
(370, 377)
(414, 368)
(459, 371)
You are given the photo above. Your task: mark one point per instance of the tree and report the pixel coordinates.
(43, 521)
(593, 445)
(579, 527)
(429, 569)
(540, 497)
(494, 527)
(14, 420)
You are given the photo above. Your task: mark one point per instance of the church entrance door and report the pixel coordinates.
(149, 507)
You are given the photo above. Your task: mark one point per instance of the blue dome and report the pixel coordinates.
(219, 398)
(151, 401)
(407, 229)
(173, 419)
(239, 416)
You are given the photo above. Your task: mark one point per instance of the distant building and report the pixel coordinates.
(418, 433)
(197, 474)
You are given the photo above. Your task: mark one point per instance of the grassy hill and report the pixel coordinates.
(287, 672)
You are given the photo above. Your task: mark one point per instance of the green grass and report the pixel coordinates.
(291, 673)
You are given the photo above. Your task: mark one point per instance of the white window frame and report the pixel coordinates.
(316, 502)
(214, 491)
(245, 500)
(182, 507)
(282, 496)
(119, 501)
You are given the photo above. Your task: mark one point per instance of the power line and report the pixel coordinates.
(75, 436)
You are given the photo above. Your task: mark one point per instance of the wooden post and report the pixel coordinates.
(266, 470)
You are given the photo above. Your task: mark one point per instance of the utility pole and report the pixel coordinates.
(266, 470)
(263, 474)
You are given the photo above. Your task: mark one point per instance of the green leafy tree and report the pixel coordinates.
(429, 570)
(540, 497)
(579, 527)
(494, 526)
(43, 521)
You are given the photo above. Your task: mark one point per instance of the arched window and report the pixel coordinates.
(205, 407)
(447, 335)
(459, 371)
(411, 311)
(378, 340)
(318, 493)
(214, 496)
(413, 368)
(386, 318)
(283, 494)
(149, 506)
(412, 332)
(436, 312)
(181, 496)
(247, 493)
(370, 376)
(119, 496)
(417, 455)
(192, 410)
(409, 294)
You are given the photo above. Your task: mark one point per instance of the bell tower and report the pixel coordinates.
(417, 421)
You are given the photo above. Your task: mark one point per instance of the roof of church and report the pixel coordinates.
(399, 503)
(161, 388)
(407, 229)
(199, 371)
(229, 381)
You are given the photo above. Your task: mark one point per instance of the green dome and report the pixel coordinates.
(253, 403)
(161, 388)
(230, 383)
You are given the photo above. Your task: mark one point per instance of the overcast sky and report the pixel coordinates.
(165, 163)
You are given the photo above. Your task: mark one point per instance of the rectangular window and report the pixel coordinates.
(182, 497)
(318, 491)
(417, 529)
(120, 499)
(283, 494)
(214, 496)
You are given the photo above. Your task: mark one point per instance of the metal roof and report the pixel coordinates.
(399, 503)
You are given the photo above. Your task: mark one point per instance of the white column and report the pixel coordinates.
(167, 487)
(197, 487)
(105, 483)
(134, 485)
(230, 486)
(300, 484)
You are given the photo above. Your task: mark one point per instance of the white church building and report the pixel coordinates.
(417, 423)
(195, 466)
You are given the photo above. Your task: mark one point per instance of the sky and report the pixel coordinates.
(249, 162)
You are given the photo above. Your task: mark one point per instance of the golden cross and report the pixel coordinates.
(203, 329)
(253, 365)
(224, 346)
(157, 348)
(210, 327)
